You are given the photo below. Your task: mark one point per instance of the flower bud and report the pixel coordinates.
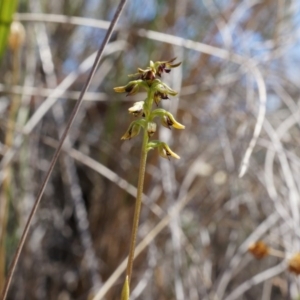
(16, 36)
(151, 128)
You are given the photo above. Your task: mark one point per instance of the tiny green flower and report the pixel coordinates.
(131, 88)
(165, 66)
(165, 151)
(168, 120)
(154, 70)
(148, 74)
(132, 131)
(137, 109)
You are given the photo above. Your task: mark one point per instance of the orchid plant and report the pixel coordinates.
(148, 79)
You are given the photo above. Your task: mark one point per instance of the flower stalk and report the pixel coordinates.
(138, 206)
(157, 90)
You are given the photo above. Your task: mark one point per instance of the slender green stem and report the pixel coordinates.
(5, 191)
(157, 90)
(138, 204)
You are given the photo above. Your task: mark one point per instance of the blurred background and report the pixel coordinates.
(239, 76)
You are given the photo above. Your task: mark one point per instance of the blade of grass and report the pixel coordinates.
(58, 150)
(6, 193)
(7, 9)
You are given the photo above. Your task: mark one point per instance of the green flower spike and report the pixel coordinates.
(156, 91)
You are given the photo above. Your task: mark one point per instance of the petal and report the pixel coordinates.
(120, 89)
(137, 106)
(177, 125)
(174, 65)
(171, 60)
(173, 154)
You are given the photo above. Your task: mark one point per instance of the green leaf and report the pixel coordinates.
(7, 10)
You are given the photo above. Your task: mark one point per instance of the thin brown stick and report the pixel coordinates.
(57, 152)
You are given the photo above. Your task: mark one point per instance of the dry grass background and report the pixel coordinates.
(199, 217)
